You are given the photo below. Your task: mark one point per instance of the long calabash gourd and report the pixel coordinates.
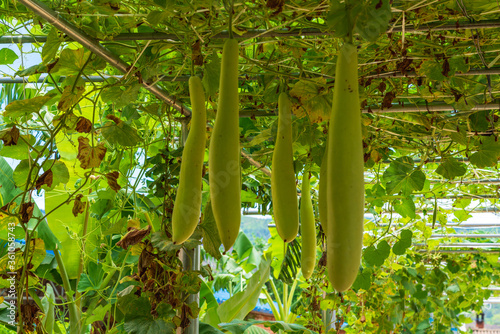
(283, 189)
(307, 228)
(345, 187)
(187, 205)
(323, 181)
(224, 152)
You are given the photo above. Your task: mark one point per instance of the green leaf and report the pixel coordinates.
(337, 19)
(373, 19)
(117, 227)
(7, 56)
(488, 153)
(242, 245)
(156, 17)
(240, 326)
(138, 318)
(120, 134)
(211, 239)
(48, 237)
(406, 208)
(59, 170)
(314, 100)
(451, 168)
(211, 75)
(26, 107)
(240, 304)
(48, 301)
(71, 61)
(480, 120)
(432, 69)
(92, 280)
(376, 256)
(207, 329)
(363, 280)
(163, 243)
(400, 176)
(22, 173)
(121, 96)
(403, 243)
(19, 151)
(51, 46)
(457, 64)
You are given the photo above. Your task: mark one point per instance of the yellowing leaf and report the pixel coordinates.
(90, 156)
(26, 107)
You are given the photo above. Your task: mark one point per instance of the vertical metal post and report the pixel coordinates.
(190, 258)
(328, 317)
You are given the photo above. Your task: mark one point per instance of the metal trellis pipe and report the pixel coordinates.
(261, 33)
(93, 45)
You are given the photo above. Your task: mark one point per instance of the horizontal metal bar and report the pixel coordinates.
(93, 45)
(464, 245)
(463, 235)
(261, 33)
(492, 300)
(457, 251)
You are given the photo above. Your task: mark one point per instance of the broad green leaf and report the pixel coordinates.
(98, 313)
(19, 151)
(120, 134)
(71, 61)
(92, 279)
(457, 64)
(117, 227)
(363, 280)
(432, 69)
(205, 328)
(451, 168)
(480, 120)
(7, 56)
(403, 243)
(211, 75)
(406, 208)
(121, 96)
(65, 227)
(26, 107)
(314, 100)
(337, 19)
(51, 46)
(211, 239)
(59, 170)
(48, 237)
(240, 304)
(240, 326)
(376, 256)
(401, 176)
(22, 173)
(373, 19)
(488, 153)
(8, 189)
(138, 317)
(48, 302)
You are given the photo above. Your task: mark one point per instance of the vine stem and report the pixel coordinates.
(74, 315)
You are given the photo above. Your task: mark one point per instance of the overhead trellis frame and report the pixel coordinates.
(91, 44)
(259, 33)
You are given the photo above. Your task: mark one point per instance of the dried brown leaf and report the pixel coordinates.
(90, 156)
(26, 211)
(83, 125)
(45, 178)
(133, 237)
(10, 136)
(112, 179)
(78, 205)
